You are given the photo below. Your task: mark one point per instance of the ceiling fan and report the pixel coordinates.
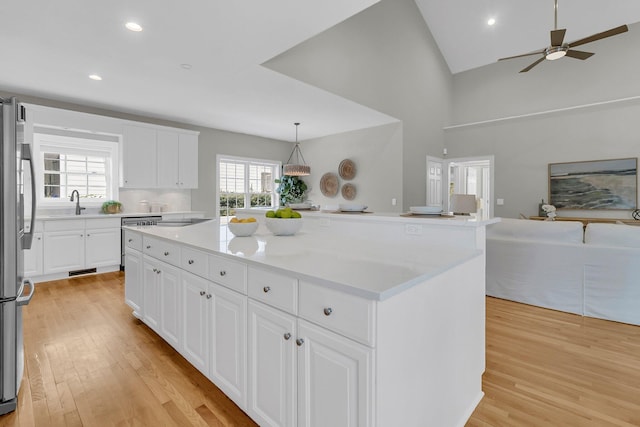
(558, 49)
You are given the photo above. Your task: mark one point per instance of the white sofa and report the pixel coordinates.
(557, 265)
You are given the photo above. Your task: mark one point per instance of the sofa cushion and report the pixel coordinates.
(621, 235)
(547, 231)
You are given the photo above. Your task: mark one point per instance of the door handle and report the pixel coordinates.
(24, 299)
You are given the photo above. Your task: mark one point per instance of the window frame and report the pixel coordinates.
(44, 142)
(247, 161)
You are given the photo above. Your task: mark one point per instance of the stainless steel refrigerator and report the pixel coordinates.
(15, 290)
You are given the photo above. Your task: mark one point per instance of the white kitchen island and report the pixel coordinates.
(357, 320)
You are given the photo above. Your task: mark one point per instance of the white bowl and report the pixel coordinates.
(426, 210)
(352, 207)
(243, 229)
(284, 226)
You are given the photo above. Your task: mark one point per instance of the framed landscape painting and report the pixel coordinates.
(597, 184)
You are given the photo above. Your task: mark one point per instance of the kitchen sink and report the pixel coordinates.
(181, 222)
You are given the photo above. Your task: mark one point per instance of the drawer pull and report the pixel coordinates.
(202, 293)
(190, 261)
(328, 311)
(148, 246)
(166, 253)
(208, 296)
(266, 289)
(157, 271)
(223, 273)
(300, 341)
(130, 240)
(287, 336)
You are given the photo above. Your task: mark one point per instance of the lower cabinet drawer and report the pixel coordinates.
(162, 250)
(194, 261)
(346, 314)
(133, 240)
(228, 273)
(275, 289)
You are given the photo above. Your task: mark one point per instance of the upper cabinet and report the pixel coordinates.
(154, 157)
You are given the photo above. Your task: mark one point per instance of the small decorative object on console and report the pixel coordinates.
(550, 211)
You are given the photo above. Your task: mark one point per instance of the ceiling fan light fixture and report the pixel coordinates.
(555, 52)
(299, 168)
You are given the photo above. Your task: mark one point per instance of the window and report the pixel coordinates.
(245, 183)
(67, 163)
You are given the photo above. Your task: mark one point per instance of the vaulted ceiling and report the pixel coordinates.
(198, 62)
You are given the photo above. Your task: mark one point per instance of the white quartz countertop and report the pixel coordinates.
(362, 267)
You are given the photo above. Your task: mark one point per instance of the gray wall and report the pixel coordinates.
(384, 58)
(373, 151)
(524, 147)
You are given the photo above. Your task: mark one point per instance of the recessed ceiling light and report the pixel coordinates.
(133, 26)
(95, 77)
(186, 66)
(491, 21)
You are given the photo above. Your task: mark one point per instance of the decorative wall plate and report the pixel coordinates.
(349, 191)
(329, 184)
(347, 169)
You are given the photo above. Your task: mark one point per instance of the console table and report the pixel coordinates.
(586, 221)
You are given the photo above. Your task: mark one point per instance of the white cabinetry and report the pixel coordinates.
(170, 305)
(78, 244)
(133, 281)
(195, 344)
(139, 168)
(335, 379)
(272, 368)
(228, 333)
(33, 256)
(151, 292)
(158, 157)
(177, 155)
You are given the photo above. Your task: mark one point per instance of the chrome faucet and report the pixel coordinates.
(78, 208)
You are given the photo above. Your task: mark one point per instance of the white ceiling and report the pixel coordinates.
(466, 41)
(50, 47)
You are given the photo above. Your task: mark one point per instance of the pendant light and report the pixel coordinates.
(298, 168)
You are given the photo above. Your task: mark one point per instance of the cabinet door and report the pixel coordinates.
(63, 251)
(167, 155)
(138, 157)
(272, 366)
(151, 292)
(228, 332)
(133, 281)
(335, 379)
(195, 336)
(102, 247)
(170, 297)
(188, 160)
(33, 257)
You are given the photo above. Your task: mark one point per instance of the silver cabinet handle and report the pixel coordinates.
(190, 261)
(287, 336)
(223, 273)
(148, 246)
(158, 272)
(202, 293)
(155, 269)
(166, 253)
(88, 235)
(328, 311)
(266, 289)
(208, 296)
(300, 341)
(130, 240)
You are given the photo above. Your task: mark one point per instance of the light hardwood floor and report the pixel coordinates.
(90, 363)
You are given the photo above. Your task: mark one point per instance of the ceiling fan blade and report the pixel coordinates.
(524, 70)
(557, 37)
(612, 32)
(540, 52)
(578, 54)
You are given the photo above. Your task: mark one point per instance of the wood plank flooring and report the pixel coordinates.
(89, 362)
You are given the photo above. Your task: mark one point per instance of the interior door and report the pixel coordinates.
(434, 180)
